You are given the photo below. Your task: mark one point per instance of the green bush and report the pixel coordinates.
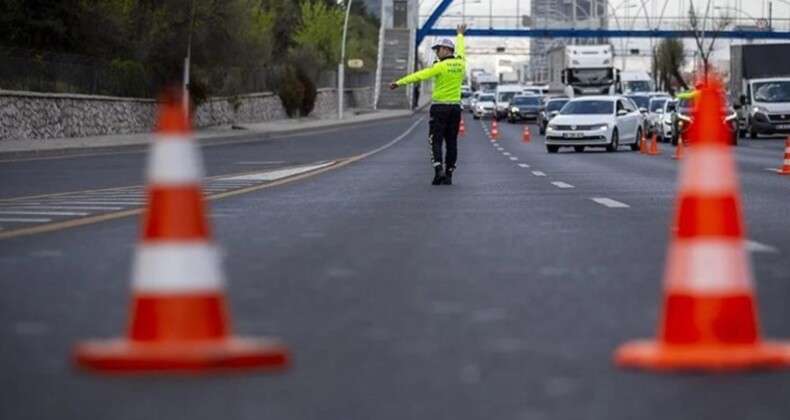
(310, 93)
(291, 91)
(126, 78)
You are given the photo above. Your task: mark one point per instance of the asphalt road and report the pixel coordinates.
(501, 297)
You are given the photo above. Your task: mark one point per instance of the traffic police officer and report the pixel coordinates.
(449, 72)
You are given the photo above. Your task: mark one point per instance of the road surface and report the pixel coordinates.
(500, 297)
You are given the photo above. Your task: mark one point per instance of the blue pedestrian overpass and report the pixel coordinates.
(428, 29)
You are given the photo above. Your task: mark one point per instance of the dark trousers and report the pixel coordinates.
(444, 125)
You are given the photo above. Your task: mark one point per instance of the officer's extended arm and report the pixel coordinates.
(424, 74)
(460, 47)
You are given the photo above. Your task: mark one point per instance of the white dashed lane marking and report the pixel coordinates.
(523, 165)
(538, 173)
(608, 202)
(560, 184)
(505, 153)
(513, 158)
(754, 246)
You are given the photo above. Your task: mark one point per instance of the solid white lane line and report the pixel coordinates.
(523, 165)
(560, 184)
(44, 213)
(279, 174)
(100, 203)
(608, 202)
(513, 158)
(15, 220)
(538, 173)
(754, 246)
(44, 207)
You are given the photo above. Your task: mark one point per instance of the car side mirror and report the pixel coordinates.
(622, 113)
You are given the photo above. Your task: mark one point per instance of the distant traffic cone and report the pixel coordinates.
(527, 137)
(643, 145)
(709, 320)
(679, 149)
(654, 151)
(179, 319)
(462, 128)
(494, 130)
(786, 164)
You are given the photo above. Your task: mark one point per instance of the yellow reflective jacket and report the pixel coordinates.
(449, 74)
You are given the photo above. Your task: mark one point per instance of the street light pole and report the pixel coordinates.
(341, 68)
(188, 62)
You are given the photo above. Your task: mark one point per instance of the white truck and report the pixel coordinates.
(635, 82)
(485, 82)
(760, 88)
(582, 70)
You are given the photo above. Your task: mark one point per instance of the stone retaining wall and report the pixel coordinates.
(31, 115)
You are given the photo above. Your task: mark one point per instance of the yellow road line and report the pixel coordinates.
(66, 224)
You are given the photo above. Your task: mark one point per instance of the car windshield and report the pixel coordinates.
(656, 105)
(637, 86)
(465, 94)
(772, 91)
(555, 105)
(671, 106)
(688, 103)
(486, 98)
(588, 107)
(506, 96)
(641, 101)
(526, 100)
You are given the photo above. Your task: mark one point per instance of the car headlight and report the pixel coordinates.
(514, 109)
(603, 127)
(759, 110)
(551, 128)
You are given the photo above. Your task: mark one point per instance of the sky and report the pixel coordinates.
(503, 14)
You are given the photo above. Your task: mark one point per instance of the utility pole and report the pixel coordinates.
(341, 68)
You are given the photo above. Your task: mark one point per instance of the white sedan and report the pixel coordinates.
(595, 121)
(485, 106)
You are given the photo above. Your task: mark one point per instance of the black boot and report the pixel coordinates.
(448, 176)
(438, 176)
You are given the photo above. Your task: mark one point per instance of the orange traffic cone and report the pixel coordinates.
(709, 321)
(494, 130)
(527, 137)
(786, 165)
(679, 150)
(643, 145)
(654, 151)
(179, 319)
(462, 128)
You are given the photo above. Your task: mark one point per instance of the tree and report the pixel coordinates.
(320, 27)
(670, 59)
(705, 46)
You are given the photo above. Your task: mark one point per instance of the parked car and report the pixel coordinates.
(666, 120)
(654, 110)
(523, 107)
(485, 106)
(550, 110)
(595, 121)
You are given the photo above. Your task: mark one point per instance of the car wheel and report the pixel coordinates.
(735, 139)
(542, 130)
(475, 117)
(614, 144)
(578, 149)
(635, 145)
(510, 120)
(752, 132)
(552, 149)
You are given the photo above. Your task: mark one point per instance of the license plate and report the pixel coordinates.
(783, 126)
(573, 135)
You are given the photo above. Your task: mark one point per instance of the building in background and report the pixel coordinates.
(560, 14)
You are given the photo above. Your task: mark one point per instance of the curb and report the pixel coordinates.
(242, 137)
